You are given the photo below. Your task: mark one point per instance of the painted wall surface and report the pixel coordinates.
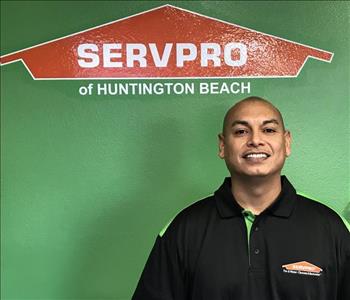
(88, 182)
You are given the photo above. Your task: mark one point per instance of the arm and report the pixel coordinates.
(163, 275)
(344, 290)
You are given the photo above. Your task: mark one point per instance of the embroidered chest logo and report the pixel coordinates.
(302, 268)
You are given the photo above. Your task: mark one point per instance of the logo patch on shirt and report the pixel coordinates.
(302, 268)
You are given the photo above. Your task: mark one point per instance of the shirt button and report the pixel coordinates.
(256, 228)
(256, 251)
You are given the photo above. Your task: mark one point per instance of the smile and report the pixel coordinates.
(256, 156)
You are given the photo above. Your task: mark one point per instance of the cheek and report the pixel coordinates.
(279, 146)
(233, 150)
(283, 153)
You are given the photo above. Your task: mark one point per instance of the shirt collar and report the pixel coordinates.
(282, 207)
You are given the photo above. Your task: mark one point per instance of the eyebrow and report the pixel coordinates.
(271, 121)
(245, 123)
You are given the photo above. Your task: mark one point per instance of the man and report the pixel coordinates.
(255, 238)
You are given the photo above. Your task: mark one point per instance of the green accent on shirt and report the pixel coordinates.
(165, 227)
(249, 218)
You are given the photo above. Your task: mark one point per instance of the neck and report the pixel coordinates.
(255, 193)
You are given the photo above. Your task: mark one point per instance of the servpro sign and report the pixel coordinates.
(136, 55)
(166, 42)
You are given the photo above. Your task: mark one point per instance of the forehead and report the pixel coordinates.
(253, 111)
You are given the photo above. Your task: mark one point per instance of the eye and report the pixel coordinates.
(269, 130)
(240, 132)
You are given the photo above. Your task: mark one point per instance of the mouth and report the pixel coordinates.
(256, 156)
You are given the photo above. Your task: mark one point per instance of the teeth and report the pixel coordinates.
(257, 155)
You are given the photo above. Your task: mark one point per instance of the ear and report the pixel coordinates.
(221, 140)
(288, 142)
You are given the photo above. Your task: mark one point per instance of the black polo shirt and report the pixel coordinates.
(298, 249)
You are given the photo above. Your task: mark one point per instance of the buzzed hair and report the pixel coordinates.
(249, 99)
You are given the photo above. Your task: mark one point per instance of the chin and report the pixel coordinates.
(258, 173)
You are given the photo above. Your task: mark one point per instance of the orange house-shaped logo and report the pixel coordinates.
(302, 267)
(166, 42)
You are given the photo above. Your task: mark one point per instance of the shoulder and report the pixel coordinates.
(320, 213)
(200, 208)
(192, 216)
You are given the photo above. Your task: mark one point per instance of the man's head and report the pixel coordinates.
(254, 141)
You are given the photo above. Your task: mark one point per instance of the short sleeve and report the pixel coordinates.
(344, 291)
(163, 276)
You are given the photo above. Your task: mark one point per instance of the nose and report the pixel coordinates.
(255, 139)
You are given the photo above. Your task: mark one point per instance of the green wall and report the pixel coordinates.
(88, 182)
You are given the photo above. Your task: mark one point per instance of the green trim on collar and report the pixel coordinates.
(249, 218)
